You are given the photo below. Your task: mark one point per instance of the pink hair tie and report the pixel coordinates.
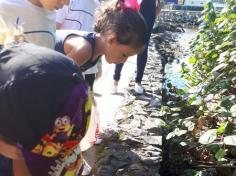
(131, 4)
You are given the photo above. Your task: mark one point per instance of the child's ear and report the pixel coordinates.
(111, 38)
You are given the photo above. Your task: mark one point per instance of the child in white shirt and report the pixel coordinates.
(37, 17)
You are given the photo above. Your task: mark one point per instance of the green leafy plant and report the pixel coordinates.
(213, 75)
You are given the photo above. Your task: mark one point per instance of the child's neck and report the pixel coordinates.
(36, 2)
(99, 43)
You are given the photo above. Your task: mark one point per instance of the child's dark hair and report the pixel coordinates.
(128, 24)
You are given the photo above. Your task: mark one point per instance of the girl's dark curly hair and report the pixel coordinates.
(128, 25)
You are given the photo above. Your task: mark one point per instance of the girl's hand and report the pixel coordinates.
(160, 5)
(10, 151)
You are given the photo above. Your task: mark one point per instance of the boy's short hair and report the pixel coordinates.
(44, 107)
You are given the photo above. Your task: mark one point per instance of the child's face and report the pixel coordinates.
(117, 53)
(53, 4)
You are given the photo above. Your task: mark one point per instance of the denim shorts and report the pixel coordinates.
(5, 166)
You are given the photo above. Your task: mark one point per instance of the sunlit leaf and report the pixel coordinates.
(197, 102)
(190, 125)
(208, 137)
(223, 23)
(175, 115)
(230, 140)
(170, 135)
(192, 60)
(221, 129)
(230, 36)
(214, 55)
(225, 44)
(181, 91)
(183, 144)
(122, 136)
(225, 128)
(176, 109)
(233, 110)
(179, 132)
(232, 16)
(219, 67)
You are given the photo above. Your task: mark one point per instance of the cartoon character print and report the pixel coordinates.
(51, 149)
(47, 147)
(73, 163)
(63, 144)
(62, 129)
(58, 141)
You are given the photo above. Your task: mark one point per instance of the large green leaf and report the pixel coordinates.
(224, 84)
(227, 101)
(220, 154)
(208, 137)
(213, 147)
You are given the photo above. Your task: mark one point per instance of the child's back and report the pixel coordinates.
(79, 15)
(38, 23)
(33, 19)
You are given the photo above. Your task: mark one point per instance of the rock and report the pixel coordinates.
(136, 123)
(138, 110)
(156, 114)
(152, 148)
(154, 123)
(133, 143)
(137, 132)
(137, 169)
(105, 170)
(121, 115)
(141, 102)
(155, 140)
(156, 102)
(115, 146)
(133, 157)
(141, 117)
(119, 163)
(153, 153)
(151, 161)
(145, 98)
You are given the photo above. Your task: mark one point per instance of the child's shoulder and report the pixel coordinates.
(78, 47)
